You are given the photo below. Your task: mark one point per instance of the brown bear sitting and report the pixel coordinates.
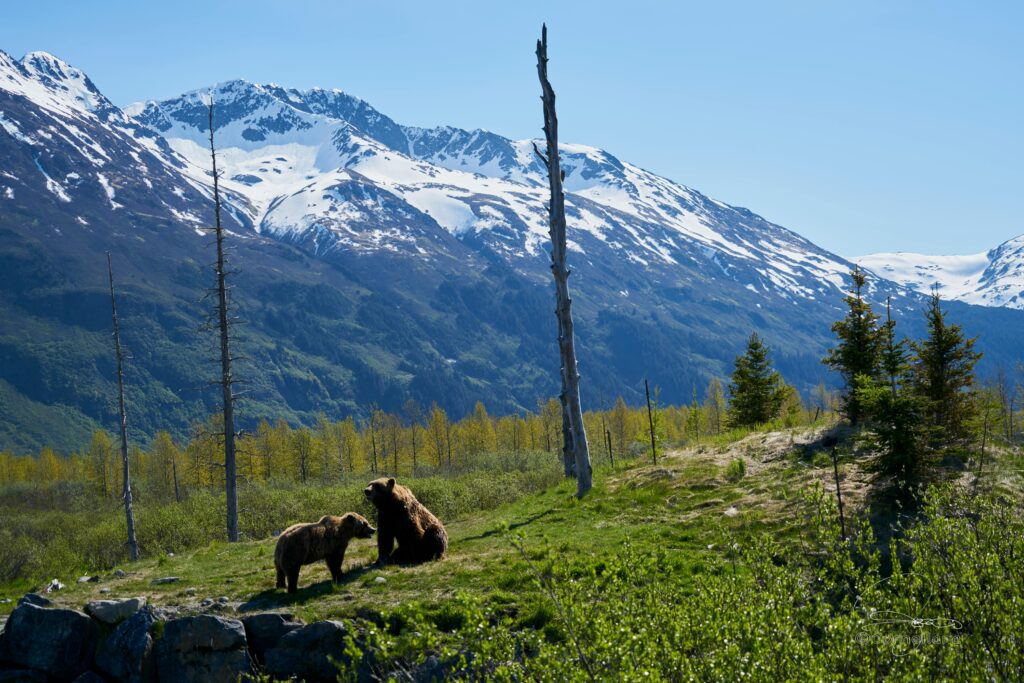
(400, 517)
(327, 540)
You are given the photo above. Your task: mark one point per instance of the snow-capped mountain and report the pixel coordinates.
(991, 278)
(377, 262)
(66, 141)
(325, 164)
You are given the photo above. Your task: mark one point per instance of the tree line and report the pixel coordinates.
(413, 442)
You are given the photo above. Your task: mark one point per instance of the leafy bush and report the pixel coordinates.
(736, 470)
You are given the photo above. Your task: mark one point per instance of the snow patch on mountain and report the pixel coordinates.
(282, 150)
(991, 278)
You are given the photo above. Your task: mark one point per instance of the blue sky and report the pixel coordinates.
(866, 126)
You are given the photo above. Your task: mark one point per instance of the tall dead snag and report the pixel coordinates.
(575, 433)
(226, 380)
(832, 443)
(126, 487)
(650, 420)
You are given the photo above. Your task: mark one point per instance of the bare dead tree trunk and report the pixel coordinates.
(981, 459)
(126, 487)
(174, 473)
(373, 437)
(573, 413)
(448, 442)
(650, 421)
(568, 452)
(839, 493)
(226, 380)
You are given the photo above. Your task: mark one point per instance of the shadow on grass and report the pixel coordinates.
(510, 527)
(838, 435)
(893, 506)
(277, 597)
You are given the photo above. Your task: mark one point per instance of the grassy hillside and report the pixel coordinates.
(697, 567)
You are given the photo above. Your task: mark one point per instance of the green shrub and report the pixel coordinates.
(736, 470)
(829, 614)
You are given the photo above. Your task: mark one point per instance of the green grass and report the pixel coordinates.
(676, 569)
(679, 505)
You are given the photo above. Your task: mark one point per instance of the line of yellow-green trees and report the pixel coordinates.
(412, 442)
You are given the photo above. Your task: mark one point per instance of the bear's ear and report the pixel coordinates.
(391, 484)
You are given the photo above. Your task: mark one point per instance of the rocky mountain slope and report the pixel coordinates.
(377, 263)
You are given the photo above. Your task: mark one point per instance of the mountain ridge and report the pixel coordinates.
(409, 264)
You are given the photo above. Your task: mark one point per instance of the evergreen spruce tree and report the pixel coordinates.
(857, 352)
(944, 375)
(756, 390)
(896, 411)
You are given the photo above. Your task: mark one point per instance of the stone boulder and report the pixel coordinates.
(113, 612)
(58, 642)
(34, 599)
(21, 676)
(90, 677)
(304, 653)
(264, 631)
(126, 654)
(202, 648)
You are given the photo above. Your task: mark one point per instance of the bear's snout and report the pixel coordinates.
(367, 531)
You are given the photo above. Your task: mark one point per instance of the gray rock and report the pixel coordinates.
(202, 648)
(58, 642)
(431, 670)
(88, 579)
(166, 613)
(21, 676)
(126, 654)
(90, 677)
(190, 591)
(264, 631)
(166, 579)
(206, 602)
(304, 653)
(119, 573)
(104, 590)
(54, 586)
(34, 599)
(113, 612)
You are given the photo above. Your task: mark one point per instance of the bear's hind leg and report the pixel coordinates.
(435, 544)
(280, 577)
(403, 555)
(293, 579)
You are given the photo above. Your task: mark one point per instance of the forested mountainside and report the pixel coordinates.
(376, 263)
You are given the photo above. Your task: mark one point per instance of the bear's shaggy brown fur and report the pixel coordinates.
(400, 517)
(326, 539)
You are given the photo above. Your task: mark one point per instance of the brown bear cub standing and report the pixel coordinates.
(327, 540)
(400, 517)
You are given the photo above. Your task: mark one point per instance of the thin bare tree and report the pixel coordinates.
(126, 486)
(575, 432)
(226, 379)
(415, 415)
(650, 419)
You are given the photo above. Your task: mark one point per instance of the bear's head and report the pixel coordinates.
(380, 491)
(356, 526)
